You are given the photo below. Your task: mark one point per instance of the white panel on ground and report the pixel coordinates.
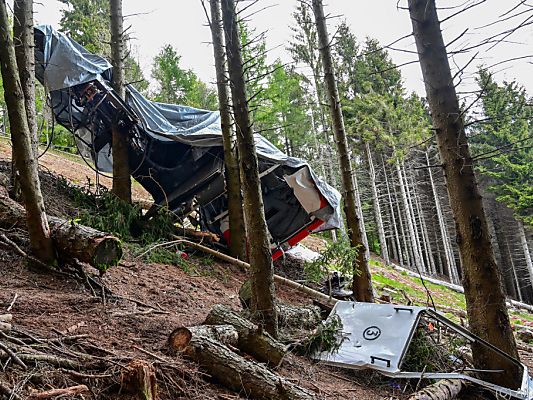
(374, 335)
(377, 336)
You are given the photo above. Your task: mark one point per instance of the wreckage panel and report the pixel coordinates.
(373, 335)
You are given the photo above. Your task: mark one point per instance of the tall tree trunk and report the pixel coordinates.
(407, 248)
(394, 226)
(516, 284)
(487, 311)
(25, 160)
(24, 44)
(359, 209)
(423, 228)
(237, 245)
(121, 168)
(450, 259)
(409, 216)
(412, 216)
(525, 249)
(377, 207)
(23, 40)
(262, 276)
(362, 283)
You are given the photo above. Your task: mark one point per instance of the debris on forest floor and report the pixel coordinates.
(148, 299)
(415, 343)
(73, 364)
(212, 345)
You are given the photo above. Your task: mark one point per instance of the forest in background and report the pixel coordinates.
(439, 184)
(403, 198)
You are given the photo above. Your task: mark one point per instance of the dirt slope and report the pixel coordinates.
(150, 301)
(162, 297)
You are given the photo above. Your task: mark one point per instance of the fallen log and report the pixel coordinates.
(180, 337)
(252, 339)
(6, 317)
(63, 392)
(289, 317)
(5, 320)
(249, 378)
(311, 293)
(71, 240)
(7, 391)
(446, 389)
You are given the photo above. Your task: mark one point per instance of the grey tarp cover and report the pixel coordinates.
(64, 64)
(68, 64)
(201, 128)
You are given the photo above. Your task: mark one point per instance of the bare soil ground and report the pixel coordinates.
(150, 300)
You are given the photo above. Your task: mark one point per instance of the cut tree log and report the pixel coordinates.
(180, 337)
(289, 317)
(6, 317)
(249, 378)
(64, 392)
(88, 245)
(4, 326)
(139, 379)
(5, 320)
(445, 389)
(252, 339)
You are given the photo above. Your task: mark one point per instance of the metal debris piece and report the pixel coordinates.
(377, 336)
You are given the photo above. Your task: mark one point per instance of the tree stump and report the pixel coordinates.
(5, 320)
(139, 378)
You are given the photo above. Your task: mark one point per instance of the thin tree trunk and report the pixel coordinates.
(394, 226)
(516, 284)
(262, 276)
(423, 228)
(409, 216)
(24, 44)
(121, 169)
(377, 207)
(406, 250)
(359, 209)
(237, 245)
(487, 311)
(322, 163)
(362, 283)
(412, 216)
(25, 161)
(450, 259)
(502, 252)
(525, 249)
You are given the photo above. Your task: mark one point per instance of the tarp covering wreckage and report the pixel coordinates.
(378, 336)
(175, 151)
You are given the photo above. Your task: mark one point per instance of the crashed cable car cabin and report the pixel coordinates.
(175, 152)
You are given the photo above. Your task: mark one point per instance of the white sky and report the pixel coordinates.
(182, 23)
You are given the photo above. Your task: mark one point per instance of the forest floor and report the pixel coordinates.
(152, 299)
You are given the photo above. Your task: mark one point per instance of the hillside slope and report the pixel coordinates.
(146, 301)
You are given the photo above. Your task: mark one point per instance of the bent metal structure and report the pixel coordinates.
(175, 151)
